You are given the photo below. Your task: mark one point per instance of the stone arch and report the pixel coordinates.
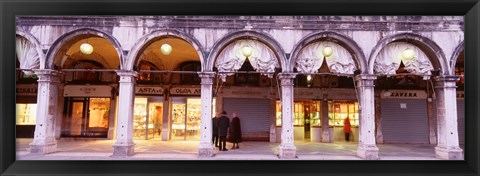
(35, 42)
(62, 40)
(453, 60)
(342, 40)
(143, 42)
(246, 34)
(429, 47)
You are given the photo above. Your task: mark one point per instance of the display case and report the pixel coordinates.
(339, 110)
(298, 114)
(278, 118)
(140, 118)
(178, 120)
(26, 114)
(315, 113)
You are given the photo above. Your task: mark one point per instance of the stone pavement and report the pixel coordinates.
(88, 149)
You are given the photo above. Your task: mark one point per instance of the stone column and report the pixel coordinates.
(325, 126)
(367, 148)
(447, 144)
(124, 145)
(166, 117)
(378, 117)
(287, 147)
(44, 138)
(205, 148)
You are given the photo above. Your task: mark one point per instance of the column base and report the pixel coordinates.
(288, 152)
(450, 153)
(205, 150)
(43, 148)
(121, 150)
(326, 137)
(368, 152)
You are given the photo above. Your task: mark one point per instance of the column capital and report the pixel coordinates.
(206, 74)
(48, 75)
(365, 77)
(287, 75)
(447, 78)
(126, 73)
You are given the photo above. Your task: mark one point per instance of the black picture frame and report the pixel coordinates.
(9, 9)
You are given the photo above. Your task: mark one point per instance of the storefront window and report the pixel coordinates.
(186, 119)
(300, 110)
(26, 114)
(99, 112)
(87, 117)
(339, 110)
(140, 118)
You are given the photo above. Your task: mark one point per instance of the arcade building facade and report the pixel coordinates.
(399, 80)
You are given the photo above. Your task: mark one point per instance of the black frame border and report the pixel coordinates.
(10, 8)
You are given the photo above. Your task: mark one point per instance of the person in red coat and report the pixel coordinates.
(347, 128)
(235, 133)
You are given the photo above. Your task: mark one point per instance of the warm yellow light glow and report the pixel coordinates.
(327, 51)
(247, 51)
(166, 49)
(309, 78)
(86, 48)
(408, 54)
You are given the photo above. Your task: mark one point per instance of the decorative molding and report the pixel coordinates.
(311, 59)
(231, 58)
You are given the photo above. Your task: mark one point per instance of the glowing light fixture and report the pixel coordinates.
(86, 48)
(309, 78)
(247, 51)
(327, 51)
(408, 54)
(166, 49)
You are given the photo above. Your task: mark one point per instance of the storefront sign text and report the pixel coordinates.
(149, 90)
(404, 94)
(185, 91)
(87, 91)
(26, 90)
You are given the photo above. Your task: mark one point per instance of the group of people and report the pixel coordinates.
(222, 127)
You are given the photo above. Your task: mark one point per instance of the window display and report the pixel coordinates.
(186, 119)
(140, 118)
(339, 110)
(26, 114)
(87, 117)
(299, 113)
(99, 108)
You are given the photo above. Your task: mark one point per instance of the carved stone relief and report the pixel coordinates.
(390, 57)
(231, 58)
(311, 58)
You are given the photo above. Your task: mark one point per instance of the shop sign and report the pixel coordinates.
(404, 94)
(334, 94)
(185, 91)
(460, 94)
(237, 92)
(87, 91)
(149, 90)
(26, 90)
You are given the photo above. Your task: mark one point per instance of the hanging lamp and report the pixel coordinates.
(86, 48)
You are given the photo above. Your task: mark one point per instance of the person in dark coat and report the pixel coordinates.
(223, 124)
(235, 133)
(215, 129)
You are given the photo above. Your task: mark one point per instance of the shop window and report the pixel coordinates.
(247, 79)
(26, 114)
(86, 117)
(461, 82)
(339, 110)
(87, 76)
(145, 76)
(301, 110)
(190, 78)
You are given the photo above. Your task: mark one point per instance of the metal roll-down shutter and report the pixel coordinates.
(254, 116)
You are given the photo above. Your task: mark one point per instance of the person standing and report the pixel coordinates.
(215, 129)
(223, 124)
(235, 131)
(347, 129)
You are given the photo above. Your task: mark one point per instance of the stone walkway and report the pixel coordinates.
(87, 149)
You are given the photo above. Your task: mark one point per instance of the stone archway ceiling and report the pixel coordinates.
(103, 52)
(389, 58)
(311, 58)
(182, 51)
(231, 59)
(27, 54)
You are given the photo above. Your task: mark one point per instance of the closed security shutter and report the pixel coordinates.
(407, 124)
(461, 121)
(254, 116)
